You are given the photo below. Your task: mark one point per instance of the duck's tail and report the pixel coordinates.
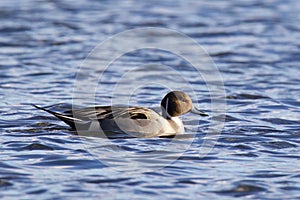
(68, 119)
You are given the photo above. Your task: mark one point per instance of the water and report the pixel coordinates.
(255, 45)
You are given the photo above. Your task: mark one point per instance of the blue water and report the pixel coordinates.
(255, 45)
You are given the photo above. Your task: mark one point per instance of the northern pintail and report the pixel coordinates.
(135, 121)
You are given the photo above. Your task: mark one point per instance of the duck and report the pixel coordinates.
(130, 120)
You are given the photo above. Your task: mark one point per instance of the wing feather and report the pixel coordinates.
(108, 112)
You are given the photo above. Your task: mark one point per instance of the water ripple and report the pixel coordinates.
(255, 45)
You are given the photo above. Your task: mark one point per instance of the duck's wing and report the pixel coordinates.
(112, 112)
(85, 116)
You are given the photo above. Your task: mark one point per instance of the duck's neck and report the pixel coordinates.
(174, 120)
(177, 120)
(179, 124)
(165, 114)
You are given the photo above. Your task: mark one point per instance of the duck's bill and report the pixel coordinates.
(198, 112)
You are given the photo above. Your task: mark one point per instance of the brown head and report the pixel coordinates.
(176, 103)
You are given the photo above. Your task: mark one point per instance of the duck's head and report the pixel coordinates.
(177, 103)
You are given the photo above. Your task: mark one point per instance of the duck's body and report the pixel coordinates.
(135, 121)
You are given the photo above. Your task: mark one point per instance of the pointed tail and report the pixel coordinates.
(70, 120)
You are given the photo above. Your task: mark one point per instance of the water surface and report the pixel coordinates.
(255, 45)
